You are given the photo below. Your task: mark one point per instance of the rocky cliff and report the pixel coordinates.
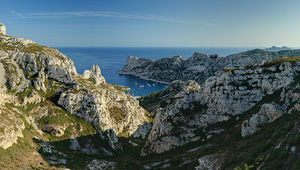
(43, 99)
(241, 118)
(199, 67)
(192, 113)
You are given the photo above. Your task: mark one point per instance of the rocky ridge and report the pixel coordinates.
(188, 117)
(274, 48)
(199, 67)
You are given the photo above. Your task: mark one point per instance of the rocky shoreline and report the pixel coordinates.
(144, 78)
(199, 67)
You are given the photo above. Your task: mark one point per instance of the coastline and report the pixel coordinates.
(141, 77)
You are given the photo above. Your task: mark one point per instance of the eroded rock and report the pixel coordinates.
(220, 98)
(268, 113)
(101, 165)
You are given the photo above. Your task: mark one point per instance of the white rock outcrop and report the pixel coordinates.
(210, 162)
(107, 109)
(290, 97)
(101, 165)
(11, 125)
(16, 41)
(94, 74)
(268, 113)
(2, 29)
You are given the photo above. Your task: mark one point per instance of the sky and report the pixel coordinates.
(154, 23)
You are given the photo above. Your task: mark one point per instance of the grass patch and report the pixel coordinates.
(117, 114)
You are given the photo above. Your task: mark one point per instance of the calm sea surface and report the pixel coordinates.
(111, 60)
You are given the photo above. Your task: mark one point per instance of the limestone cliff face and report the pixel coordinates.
(199, 67)
(34, 62)
(267, 114)
(290, 103)
(31, 74)
(11, 125)
(104, 105)
(94, 74)
(230, 93)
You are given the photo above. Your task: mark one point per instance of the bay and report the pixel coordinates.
(112, 59)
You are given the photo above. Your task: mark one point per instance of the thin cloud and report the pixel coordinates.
(105, 14)
(17, 14)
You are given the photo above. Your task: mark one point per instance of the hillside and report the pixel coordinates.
(199, 67)
(53, 116)
(244, 117)
(233, 118)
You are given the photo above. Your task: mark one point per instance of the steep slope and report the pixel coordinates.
(199, 67)
(57, 116)
(191, 115)
(274, 146)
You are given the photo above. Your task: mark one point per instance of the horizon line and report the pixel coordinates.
(294, 47)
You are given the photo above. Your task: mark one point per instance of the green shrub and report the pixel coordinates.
(163, 104)
(283, 155)
(295, 140)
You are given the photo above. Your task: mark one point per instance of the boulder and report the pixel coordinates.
(210, 162)
(53, 129)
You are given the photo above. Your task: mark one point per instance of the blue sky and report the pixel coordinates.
(170, 23)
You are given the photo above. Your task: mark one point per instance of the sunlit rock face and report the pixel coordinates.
(2, 29)
(186, 116)
(31, 74)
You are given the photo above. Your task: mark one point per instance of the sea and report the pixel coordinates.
(112, 59)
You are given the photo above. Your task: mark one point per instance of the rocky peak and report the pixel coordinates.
(95, 74)
(275, 48)
(214, 56)
(2, 28)
(198, 55)
(177, 58)
(129, 58)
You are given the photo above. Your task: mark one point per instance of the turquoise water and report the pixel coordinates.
(111, 61)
